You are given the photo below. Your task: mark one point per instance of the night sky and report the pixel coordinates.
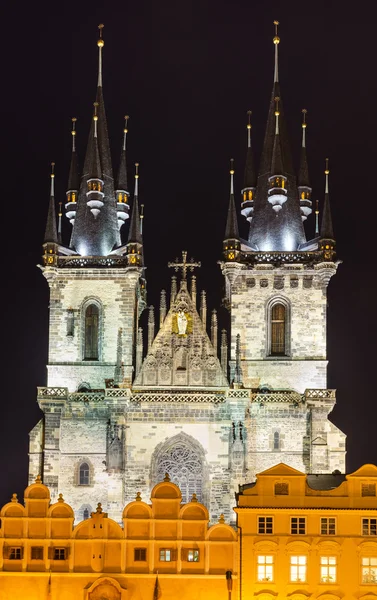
(186, 73)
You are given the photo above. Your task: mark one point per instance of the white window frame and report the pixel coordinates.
(298, 562)
(259, 521)
(298, 525)
(265, 568)
(371, 525)
(369, 569)
(328, 569)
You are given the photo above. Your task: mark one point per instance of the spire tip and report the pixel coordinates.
(100, 42)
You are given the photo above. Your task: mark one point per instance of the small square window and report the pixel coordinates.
(265, 525)
(298, 525)
(140, 554)
(15, 553)
(192, 555)
(37, 553)
(328, 569)
(328, 525)
(60, 553)
(167, 555)
(368, 489)
(369, 569)
(369, 526)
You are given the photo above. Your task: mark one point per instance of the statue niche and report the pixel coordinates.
(115, 448)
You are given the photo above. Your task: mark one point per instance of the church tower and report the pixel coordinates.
(123, 405)
(276, 291)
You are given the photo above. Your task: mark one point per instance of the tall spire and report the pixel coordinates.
(95, 193)
(316, 218)
(231, 239)
(121, 193)
(51, 233)
(73, 179)
(304, 188)
(268, 233)
(276, 42)
(135, 240)
(97, 236)
(60, 214)
(327, 243)
(250, 176)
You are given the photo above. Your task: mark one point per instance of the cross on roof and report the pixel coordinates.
(184, 265)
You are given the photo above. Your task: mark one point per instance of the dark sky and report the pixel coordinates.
(186, 73)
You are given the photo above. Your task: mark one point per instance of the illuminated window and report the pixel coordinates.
(328, 526)
(369, 526)
(91, 332)
(298, 525)
(250, 193)
(281, 489)
(328, 569)
(278, 318)
(276, 440)
(60, 554)
(84, 475)
(37, 553)
(265, 525)
(369, 569)
(73, 197)
(190, 554)
(265, 568)
(298, 568)
(368, 489)
(15, 553)
(140, 554)
(167, 554)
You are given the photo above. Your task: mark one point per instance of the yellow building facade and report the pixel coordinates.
(163, 549)
(308, 536)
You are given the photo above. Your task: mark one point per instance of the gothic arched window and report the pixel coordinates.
(184, 464)
(84, 474)
(278, 330)
(91, 332)
(276, 440)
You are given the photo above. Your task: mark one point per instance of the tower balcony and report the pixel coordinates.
(277, 194)
(95, 196)
(122, 207)
(71, 205)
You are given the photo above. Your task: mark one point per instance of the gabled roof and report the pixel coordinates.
(281, 470)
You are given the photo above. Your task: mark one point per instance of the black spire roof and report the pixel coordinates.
(134, 233)
(122, 182)
(327, 231)
(269, 231)
(51, 232)
(303, 172)
(231, 229)
(250, 174)
(97, 236)
(73, 178)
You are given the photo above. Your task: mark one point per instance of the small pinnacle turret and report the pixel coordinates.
(121, 193)
(231, 243)
(250, 177)
(304, 189)
(95, 183)
(73, 179)
(135, 240)
(50, 246)
(327, 241)
(277, 193)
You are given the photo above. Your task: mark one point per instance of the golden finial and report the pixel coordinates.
(60, 499)
(14, 498)
(194, 498)
(38, 479)
(231, 166)
(60, 209)
(100, 42)
(317, 207)
(222, 518)
(166, 478)
(277, 112)
(99, 508)
(126, 124)
(304, 111)
(95, 116)
(138, 497)
(327, 170)
(276, 39)
(52, 170)
(136, 170)
(141, 211)
(249, 113)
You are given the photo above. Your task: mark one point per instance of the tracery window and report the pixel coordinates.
(185, 468)
(84, 474)
(278, 326)
(91, 332)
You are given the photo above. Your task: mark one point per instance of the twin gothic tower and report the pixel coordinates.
(210, 410)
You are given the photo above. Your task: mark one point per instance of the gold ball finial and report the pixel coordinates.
(166, 478)
(138, 497)
(100, 42)
(249, 113)
(74, 119)
(277, 112)
(60, 499)
(231, 166)
(125, 130)
(327, 170)
(304, 111)
(14, 498)
(276, 39)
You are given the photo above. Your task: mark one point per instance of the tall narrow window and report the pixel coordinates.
(85, 514)
(276, 440)
(278, 330)
(91, 332)
(84, 474)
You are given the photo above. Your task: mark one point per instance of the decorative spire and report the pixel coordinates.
(193, 290)
(214, 330)
(95, 193)
(327, 232)
(163, 307)
(203, 308)
(276, 41)
(60, 214)
(134, 235)
(317, 217)
(141, 218)
(250, 177)
(100, 45)
(73, 179)
(277, 194)
(224, 351)
(304, 189)
(238, 370)
(139, 350)
(173, 291)
(51, 234)
(151, 327)
(121, 193)
(231, 244)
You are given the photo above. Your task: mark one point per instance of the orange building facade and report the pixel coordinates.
(308, 536)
